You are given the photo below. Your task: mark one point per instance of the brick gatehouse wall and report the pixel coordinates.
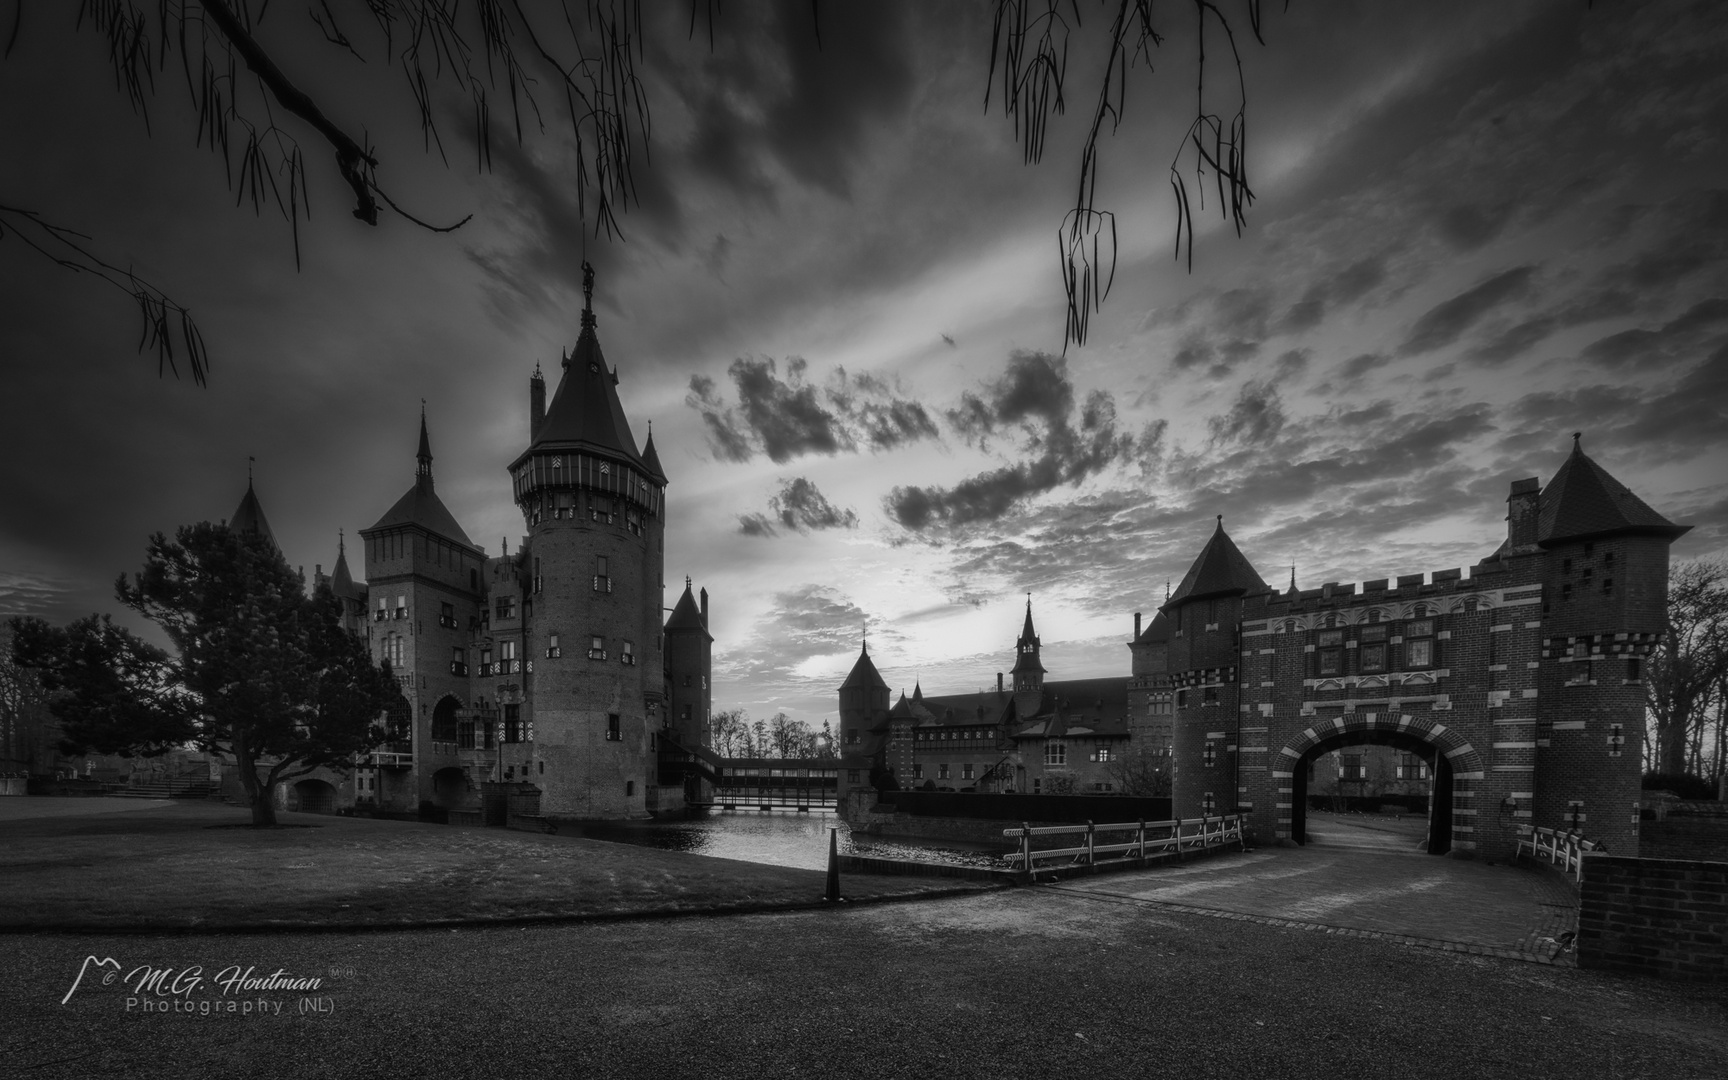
(1662, 917)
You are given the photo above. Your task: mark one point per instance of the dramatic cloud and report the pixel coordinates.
(789, 418)
(1033, 400)
(1446, 322)
(799, 506)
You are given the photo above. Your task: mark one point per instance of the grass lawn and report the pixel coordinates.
(187, 867)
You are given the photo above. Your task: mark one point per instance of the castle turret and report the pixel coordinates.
(689, 666)
(1028, 670)
(249, 515)
(594, 507)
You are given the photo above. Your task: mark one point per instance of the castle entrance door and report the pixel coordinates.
(1440, 781)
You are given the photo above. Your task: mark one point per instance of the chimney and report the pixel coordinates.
(1522, 511)
(998, 682)
(1136, 626)
(536, 404)
(704, 609)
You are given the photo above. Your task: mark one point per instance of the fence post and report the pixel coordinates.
(1026, 845)
(1091, 855)
(1177, 835)
(1140, 838)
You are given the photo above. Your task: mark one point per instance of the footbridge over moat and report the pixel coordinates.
(714, 782)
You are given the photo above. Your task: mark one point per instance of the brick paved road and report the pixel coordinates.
(1365, 880)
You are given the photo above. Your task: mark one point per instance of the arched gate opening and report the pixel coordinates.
(1440, 791)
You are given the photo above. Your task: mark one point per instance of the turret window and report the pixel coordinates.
(596, 648)
(627, 654)
(613, 733)
(383, 609)
(553, 652)
(447, 616)
(602, 574)
(401, 607)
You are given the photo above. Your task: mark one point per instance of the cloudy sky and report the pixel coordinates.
(1477, 229)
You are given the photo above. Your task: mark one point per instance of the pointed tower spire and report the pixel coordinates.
(1028, 670)
(423, 458)
(587, 296)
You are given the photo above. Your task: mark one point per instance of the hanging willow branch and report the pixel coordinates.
(1029, 42)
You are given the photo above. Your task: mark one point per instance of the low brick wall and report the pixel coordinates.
(1662, 917)
(1700, 839)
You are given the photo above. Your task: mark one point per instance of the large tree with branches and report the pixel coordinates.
(569, 70)
(261, 673)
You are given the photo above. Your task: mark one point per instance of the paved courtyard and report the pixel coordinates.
(1367, 877)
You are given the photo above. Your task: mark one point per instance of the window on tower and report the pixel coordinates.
(513, 723)
(508, 662)
(458, 661)
(505, 606)
(553, 652)
(401, 607)
(447, 616)
(383, 611)
(485, 663)
(627, 653)
(602, 574)
(596, 648)
(613, 733)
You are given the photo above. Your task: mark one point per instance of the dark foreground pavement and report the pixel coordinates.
(1022, 983)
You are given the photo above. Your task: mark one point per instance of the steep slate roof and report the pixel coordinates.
(651, 460)
(1157, 633)
(1584, 501)
(250, 517)
(420, 505)
(863, 672)
(341, 580)
(687, 615)
(1221, 570)
(585, 413)
(1079, 707)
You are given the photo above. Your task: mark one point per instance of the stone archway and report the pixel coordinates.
(450, 788)
(1457, 768)
(312, 797)
(444, 719)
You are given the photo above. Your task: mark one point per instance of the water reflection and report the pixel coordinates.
(780, 838)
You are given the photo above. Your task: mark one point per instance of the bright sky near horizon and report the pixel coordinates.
(1478, 228)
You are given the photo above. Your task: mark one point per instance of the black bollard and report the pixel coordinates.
(832, 895)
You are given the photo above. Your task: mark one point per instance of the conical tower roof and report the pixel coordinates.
(1221, 570)
(687, 615)
(1582, 501)
(420, 504)
(1026, 659)
(651, 460)
(863, 672)
(1158, 632)
(249, 517)
(585, 413)
(341, 580)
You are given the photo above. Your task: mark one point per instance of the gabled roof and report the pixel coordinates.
(249, 517)
(687, 615)
(1582, 501)
(863, 672)
(1221, 570)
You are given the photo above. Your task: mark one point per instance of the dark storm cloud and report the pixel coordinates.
(792, 417)
(799, 506)
(1033, 401)
(1640, 347)
(1257, 415)
(1447, 321)
(1658, 422)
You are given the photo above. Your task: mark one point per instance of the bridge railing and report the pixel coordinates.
(1176, 835)
(1564, 848)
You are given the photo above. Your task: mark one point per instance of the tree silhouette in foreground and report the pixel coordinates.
(264, 675)
(252, 104)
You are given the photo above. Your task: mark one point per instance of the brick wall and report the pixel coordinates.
(1661, 917)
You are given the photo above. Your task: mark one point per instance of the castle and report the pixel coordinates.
(547, 673)
(1516, 694)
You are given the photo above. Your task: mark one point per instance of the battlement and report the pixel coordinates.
(1491, 574)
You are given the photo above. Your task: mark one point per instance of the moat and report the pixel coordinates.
(780, 838)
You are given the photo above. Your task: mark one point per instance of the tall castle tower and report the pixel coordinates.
(594, 569)
(1028, 668)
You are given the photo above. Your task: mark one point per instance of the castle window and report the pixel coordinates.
(383, 610)
(563, 505)
(627, 654)
(966, 771)
(447, 616)
(1585, 575)
(852, 776)
(1102, 754)
(1182, 699)
(1375, 632)
(1634, 669)
(1209, 754)
(1055, 753)
(553, 652)
(1372, 657)
(687, 679)
(538, 583)
(1565, 566)
(613, 733)
(1209, 695)
(508, 663)
(465, 734)
(600, 509)
(1566, 591)
(602, 574)
(633, 521)
(505, 606)
(629, 788)
(1608, 561)
(1329, 662)
(485, 662)
(458, 661)
(1607, 586)
(1578, 674)
(596, 648)
(401, 607)
(942, 772)
(512, 723)
(1419, 643)
(917, 772)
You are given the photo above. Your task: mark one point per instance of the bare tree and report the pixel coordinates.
(28, 732)
(1140, 768)
(1689, 668)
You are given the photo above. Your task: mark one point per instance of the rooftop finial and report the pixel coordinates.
(1220, 521)
(1292, 575)
(587, 294)
(1576, 435)
(341, 542)
(1166, 590)
(249, 460)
